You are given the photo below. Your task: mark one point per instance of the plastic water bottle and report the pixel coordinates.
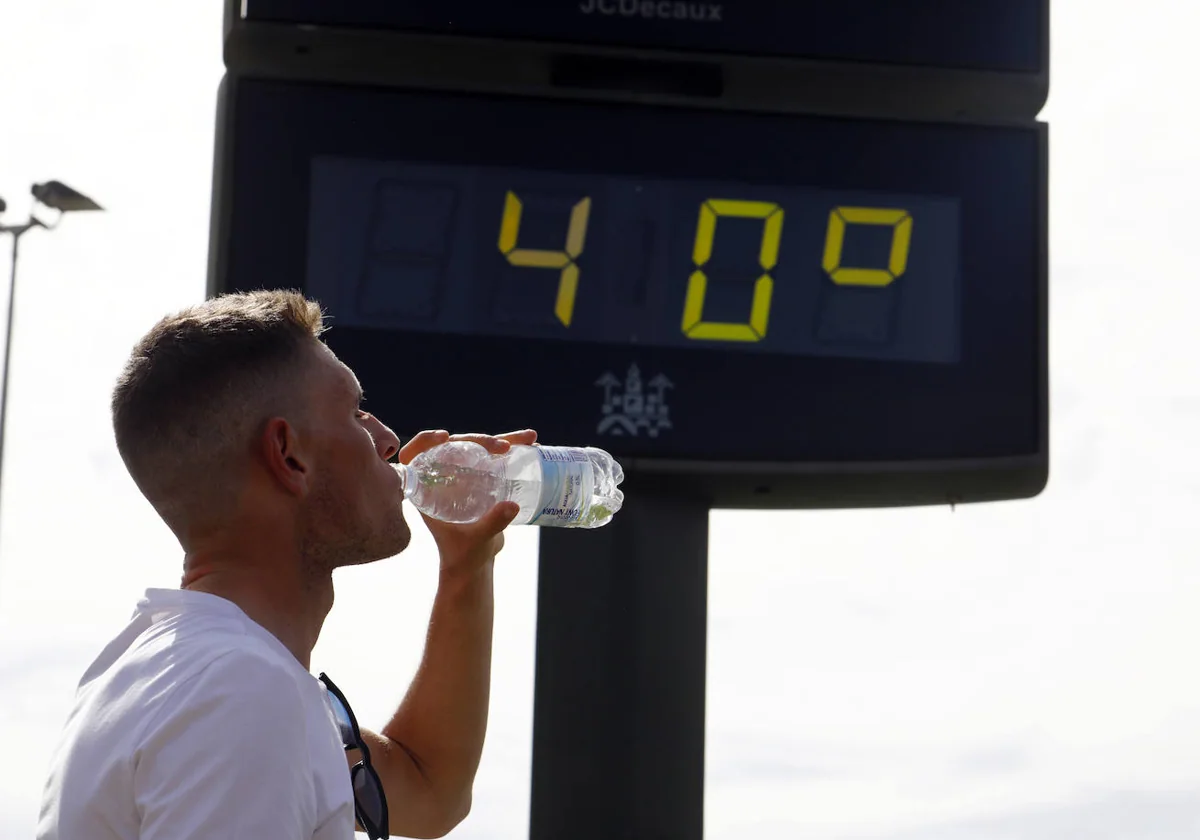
(560, 486)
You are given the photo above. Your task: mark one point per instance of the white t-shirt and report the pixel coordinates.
(195, 722)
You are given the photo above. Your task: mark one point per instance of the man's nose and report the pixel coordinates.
(386, 442)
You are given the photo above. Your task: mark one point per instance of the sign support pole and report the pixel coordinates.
(619, 690)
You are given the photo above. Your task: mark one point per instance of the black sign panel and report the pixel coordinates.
(992, 35)
(776, 310)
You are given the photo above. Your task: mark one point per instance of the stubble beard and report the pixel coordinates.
(332, 535)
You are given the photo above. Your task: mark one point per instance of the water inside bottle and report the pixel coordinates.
(458, 494)
(460, 483)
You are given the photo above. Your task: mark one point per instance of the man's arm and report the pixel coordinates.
(429, 751)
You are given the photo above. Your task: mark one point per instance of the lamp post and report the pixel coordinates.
(53, 195)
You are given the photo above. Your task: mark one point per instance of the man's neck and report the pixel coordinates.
(291, 605)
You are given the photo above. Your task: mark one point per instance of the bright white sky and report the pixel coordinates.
(1017, 671)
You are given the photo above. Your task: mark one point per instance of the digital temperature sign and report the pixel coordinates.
(587, 257)
(765, 309)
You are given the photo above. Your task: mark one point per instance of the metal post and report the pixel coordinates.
(54, 195)
(17, 232)
(619, 690)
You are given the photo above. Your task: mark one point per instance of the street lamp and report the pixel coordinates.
(54, 195)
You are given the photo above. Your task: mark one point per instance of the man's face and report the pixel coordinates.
(353, 513)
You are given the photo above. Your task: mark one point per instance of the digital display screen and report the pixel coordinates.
(671, 284)
(686, 263)
(997, 35)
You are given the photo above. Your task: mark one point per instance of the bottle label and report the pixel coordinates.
(567, 484)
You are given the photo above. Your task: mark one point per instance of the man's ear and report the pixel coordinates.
(284, 458)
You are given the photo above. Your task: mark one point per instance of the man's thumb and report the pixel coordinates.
(501, 516)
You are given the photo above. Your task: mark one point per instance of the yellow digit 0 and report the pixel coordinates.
(768, 254)
(568, 281)
(835, 236)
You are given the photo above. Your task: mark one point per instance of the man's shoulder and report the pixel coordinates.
(195, 633)
(223, 665)
(179, 705)
(246, 681)
(183, 666)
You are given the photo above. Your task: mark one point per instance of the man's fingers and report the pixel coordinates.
(499, 444)
(524, 437)
(495, 444)
(421, 442)
(492, 444)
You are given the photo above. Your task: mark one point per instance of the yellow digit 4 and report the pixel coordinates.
(568, 282)
(835, 238)
(768, 255)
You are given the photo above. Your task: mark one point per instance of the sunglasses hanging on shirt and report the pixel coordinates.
(370, 804)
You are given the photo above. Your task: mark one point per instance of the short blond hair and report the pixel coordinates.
(197, 386)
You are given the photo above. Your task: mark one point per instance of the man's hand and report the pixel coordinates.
(470, 547)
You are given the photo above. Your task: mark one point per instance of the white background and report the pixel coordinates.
(1021, 670)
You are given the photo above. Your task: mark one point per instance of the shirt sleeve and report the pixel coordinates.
(229, 758)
